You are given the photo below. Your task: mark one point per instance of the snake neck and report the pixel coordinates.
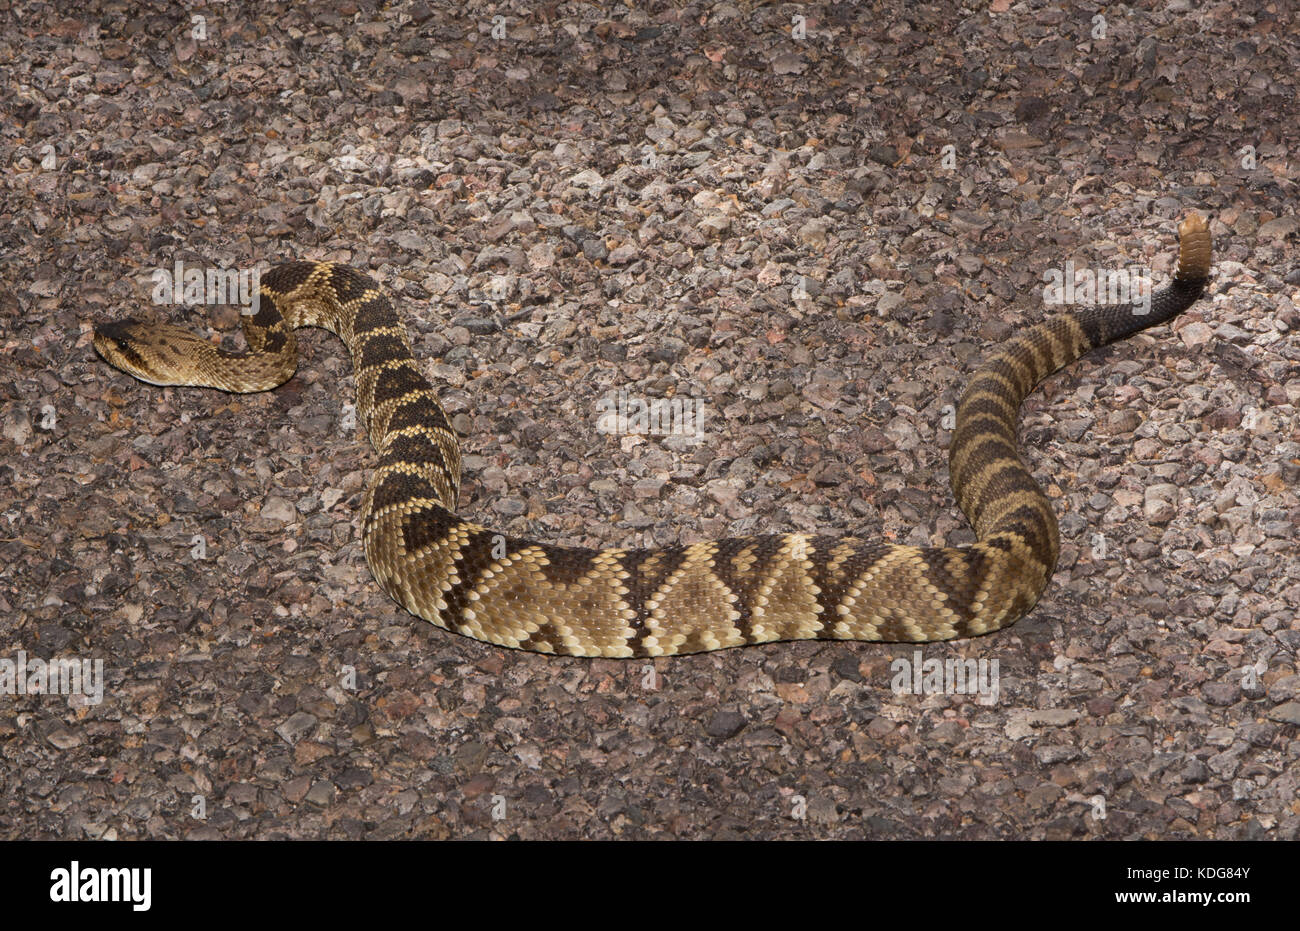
(419, 458)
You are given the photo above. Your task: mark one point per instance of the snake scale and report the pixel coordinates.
(680, 599)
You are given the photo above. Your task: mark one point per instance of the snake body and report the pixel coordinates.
(519, 593)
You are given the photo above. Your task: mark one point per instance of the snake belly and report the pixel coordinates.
(532, 595)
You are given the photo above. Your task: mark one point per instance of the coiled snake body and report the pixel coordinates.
(679, 599)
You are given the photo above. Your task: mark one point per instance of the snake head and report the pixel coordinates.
(159, 355)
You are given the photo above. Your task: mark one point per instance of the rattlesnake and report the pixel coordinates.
(679, 599)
